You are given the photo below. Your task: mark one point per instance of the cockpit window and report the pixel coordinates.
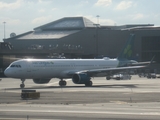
(17, 66)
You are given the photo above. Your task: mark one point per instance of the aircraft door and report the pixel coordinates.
(29, 72)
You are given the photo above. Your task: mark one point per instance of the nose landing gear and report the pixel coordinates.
(22, 85)
(62, 82)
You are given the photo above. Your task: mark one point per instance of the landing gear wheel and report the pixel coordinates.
(22, 85)
(88, 84)
(62, 83)
(108, 77)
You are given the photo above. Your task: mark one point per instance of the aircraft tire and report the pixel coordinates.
(62, 83)
(108, 77)
(88, 84)
(22, 85)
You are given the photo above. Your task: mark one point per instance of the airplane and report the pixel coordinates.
(80, 70)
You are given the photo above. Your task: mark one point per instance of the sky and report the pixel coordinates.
(21, 16)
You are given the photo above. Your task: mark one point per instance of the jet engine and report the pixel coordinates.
(81, 78)
(41, 80)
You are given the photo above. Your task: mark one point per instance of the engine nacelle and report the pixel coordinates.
(41, 80)
(80, 78)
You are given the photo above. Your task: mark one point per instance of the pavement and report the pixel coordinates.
(135, 99)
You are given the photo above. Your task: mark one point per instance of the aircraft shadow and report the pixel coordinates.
(94, 86)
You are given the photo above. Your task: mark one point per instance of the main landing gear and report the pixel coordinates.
(108, 78)
(22, 85)
(62, 82)
(88, 84)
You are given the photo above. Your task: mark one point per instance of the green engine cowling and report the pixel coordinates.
(80, 78)
(41, 81)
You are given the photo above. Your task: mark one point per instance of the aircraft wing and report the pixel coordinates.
(142, 63)
(109, 70)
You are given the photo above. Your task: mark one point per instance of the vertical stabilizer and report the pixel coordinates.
(127, 51)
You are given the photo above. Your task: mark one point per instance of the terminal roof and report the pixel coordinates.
(58, 29)
(67, 23)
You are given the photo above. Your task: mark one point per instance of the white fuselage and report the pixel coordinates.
(55, 68)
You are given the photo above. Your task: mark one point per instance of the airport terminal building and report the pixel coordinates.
(80, 37)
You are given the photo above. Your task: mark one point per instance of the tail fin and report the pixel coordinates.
(127, 51)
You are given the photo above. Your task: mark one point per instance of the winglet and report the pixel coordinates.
(152, 59)
(151, 62)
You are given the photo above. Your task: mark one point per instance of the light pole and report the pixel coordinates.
(97, 19)
(4, 30)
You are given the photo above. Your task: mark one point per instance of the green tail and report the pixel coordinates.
(127, 51)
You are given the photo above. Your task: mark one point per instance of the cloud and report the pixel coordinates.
(43, 2)
(14, 21)
(138, 16)
(101, 20)
(41, 10)
(41, 20)
(124, 5)
(107, 22)
(13, 5)
(83, 2)
(10, 21)
(103, 2)
(53, 9)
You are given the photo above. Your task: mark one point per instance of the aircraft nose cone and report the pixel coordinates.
(6, 72)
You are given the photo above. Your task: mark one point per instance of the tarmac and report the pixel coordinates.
(135, 99)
